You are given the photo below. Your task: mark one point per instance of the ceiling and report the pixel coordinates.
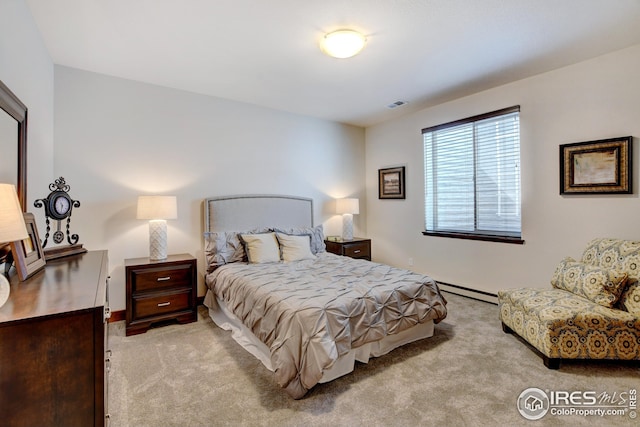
(266, 52)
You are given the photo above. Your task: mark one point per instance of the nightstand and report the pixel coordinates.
(158, 291)
(354, 248)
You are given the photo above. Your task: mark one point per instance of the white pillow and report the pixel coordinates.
(294, 248)
(261, 248)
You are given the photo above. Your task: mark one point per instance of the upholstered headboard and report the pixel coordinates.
(245, 212)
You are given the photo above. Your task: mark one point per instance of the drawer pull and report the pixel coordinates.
(164, 304)
(164, 279)
(357, 252)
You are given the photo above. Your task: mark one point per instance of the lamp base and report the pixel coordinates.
(157, 239)
(347, 226)
(5, 289)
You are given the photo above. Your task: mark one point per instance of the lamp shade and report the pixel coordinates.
(157, 207)
(348, 206)
(12, 226)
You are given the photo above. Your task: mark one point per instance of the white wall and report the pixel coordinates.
(26, 68)
(117, 139)
(593, 100)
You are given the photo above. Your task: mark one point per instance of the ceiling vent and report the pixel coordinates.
(396, 104)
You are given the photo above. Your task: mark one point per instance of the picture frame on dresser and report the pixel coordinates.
(596, 167)
(28, 254)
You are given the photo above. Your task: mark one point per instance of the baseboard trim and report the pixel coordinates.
(469, 293)
(117, 316)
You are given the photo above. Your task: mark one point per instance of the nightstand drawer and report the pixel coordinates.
(354, 248)
(357, 250)
(160, 304)
(161, 277)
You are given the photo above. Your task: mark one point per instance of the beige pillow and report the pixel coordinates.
(294, 248)
(261, 248)
(316, 234)
(597, 284)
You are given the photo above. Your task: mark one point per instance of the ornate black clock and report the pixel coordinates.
(58, 206)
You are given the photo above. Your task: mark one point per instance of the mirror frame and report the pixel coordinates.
(10, 103)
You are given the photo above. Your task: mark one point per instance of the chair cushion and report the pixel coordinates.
(561, 324)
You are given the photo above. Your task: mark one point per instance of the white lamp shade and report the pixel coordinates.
(343, 43)
(348, 206)
(12, 226)
(157, 207)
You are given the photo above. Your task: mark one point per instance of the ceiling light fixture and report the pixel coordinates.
(343, 43)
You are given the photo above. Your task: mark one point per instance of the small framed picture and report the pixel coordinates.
(391, 183)
(596, 167)
(28, 254)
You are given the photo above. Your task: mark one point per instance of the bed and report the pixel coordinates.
(306, 314)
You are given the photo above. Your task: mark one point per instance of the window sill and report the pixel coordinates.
(473, 236)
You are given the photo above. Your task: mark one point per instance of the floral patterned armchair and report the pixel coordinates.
(592, 310)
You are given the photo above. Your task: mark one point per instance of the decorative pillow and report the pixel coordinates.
(597, 284)
(294, 248)
(630, 299)
(316, 234)
(224, 247)
(261, 248)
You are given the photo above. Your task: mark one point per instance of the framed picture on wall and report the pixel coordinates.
(596, 167)
(27, 253)
(391, 183)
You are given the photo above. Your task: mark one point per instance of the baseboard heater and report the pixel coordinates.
(468, 292)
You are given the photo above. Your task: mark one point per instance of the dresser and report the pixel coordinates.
(160, 291)
(53, 345)
(354, 248)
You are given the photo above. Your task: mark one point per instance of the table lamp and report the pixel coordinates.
(12, 228)
(347, 207)
(157, 209)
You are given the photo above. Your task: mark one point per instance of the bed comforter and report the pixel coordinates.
(311, 312)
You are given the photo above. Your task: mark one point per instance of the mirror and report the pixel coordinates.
(13, 143)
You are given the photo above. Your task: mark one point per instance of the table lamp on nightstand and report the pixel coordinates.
(157, 209)
(348, 208)
(12, 228)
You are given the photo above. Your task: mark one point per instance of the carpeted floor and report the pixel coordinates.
(469, 374)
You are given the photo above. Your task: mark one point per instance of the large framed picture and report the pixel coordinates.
(27, 253)
(596, 167)
(391, 183)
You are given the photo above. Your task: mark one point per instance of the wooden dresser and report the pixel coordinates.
(53, 345)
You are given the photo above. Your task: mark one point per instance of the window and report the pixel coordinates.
(472, 177)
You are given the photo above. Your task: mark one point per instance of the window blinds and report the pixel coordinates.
(472, 175)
